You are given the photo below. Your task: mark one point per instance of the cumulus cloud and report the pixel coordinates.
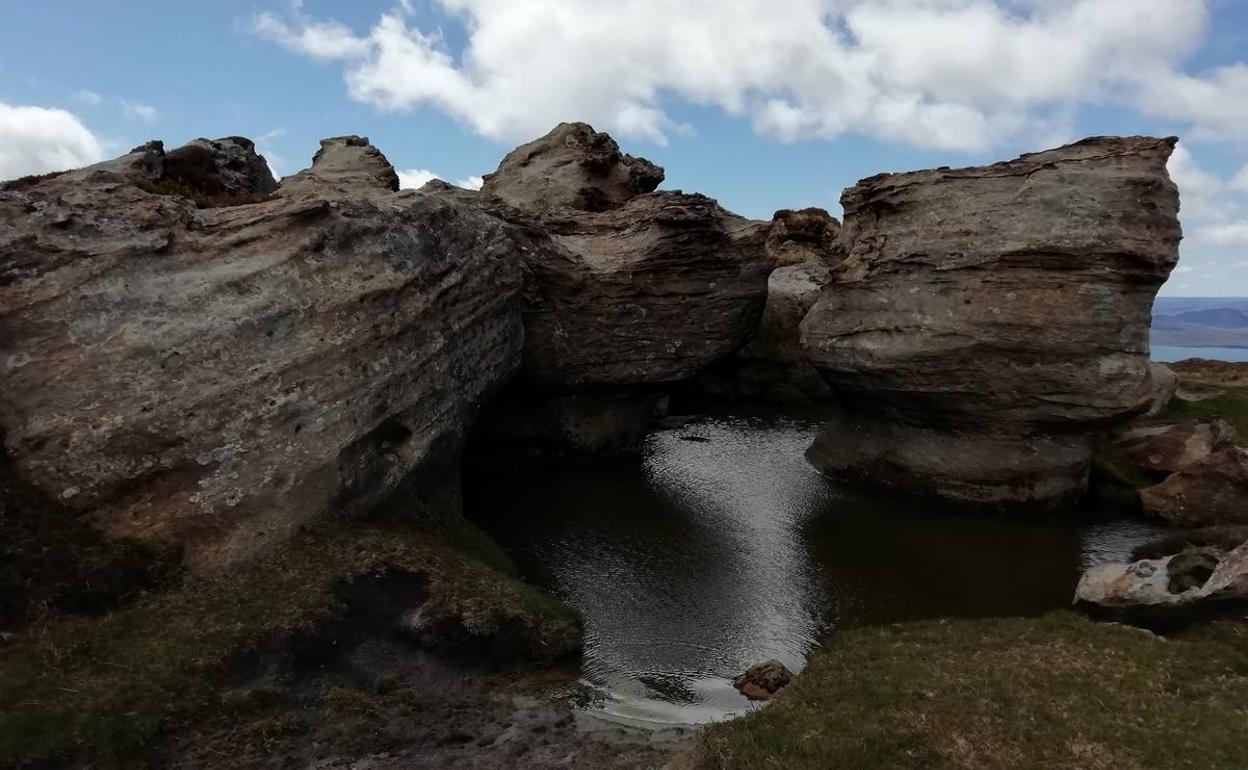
(415, 178)
(1215, 225)
(949, 74)
(35, 140)
(141, 112)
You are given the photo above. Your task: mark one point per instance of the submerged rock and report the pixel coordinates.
(763, 680)
(1213, 490)
(217, 377)
(986, 320)
(1175, 588)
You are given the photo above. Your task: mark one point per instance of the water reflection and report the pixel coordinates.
(723, 547)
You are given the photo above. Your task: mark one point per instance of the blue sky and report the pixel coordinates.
(761, 104)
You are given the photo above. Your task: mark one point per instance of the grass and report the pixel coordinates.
(1231, 405)
(1055, 692)
(106, 686)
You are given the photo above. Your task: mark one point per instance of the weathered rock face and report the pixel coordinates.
(217, 377)
(1211, 491)
(1005, 306)
(228, 166)
(1168, 448)
(772, 366)
(574, 167)
(1175, 588)
(626, 291)
(806, 237)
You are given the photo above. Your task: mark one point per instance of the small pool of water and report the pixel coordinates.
(722, 548)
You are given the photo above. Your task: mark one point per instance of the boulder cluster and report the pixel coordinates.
(195, 354)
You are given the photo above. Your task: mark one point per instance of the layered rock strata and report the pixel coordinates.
(987, 320)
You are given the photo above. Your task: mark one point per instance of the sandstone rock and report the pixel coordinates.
(772, 366)
(1211, 491)
(1168, 448)
(217, 377)
(805, 237)
(763, 680)
(1005, 306)
(572, 166)
(626, 291)
(228, 166)
(1164, 383)
(1172, 589)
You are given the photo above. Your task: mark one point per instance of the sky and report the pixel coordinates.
(763, 104)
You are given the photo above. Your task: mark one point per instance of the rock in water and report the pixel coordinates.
(763, 680)
(1175, 588)
(217, 377)
(1213, 490)
(987, 319)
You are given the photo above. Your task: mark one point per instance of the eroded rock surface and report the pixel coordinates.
(1168, 448)
(627, 291)
(217, 377)
(987, 319)
(228, 166)
(1211, 491)
(1174, 588)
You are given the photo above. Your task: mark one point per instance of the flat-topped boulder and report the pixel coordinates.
(1004, 306)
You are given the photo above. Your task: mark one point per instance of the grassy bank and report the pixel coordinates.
(105, 686)
(1057, 692)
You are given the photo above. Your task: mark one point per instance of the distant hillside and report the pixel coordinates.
(1201, 322)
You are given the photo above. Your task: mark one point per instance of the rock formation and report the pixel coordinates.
(627, 291)
(1175, 588)
(1168, 448)
(763, 680)
(986, 320)
(216, 377)
(1213, 490)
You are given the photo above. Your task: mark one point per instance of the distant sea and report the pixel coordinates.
(1168, 353)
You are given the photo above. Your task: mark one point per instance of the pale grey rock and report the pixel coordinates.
(1005, 305)
(1175, 588)
(1164, 384)
(216, 378)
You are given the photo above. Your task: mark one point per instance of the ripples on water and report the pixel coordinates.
(723, 548)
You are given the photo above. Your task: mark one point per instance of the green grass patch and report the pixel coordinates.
(1231, 405)
(1056, 692)
(105, 686)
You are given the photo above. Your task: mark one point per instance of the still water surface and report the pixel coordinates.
(722, 547)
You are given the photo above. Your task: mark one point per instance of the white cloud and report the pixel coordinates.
(1226, 234)
(951, 74)
(138, 111)
(35, 140)
(88, 97)
(415, 178)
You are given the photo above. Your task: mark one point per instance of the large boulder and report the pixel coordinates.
(1164, 384)
(228, 166)
(986, 320)
(216, 377)
(1211, 491)
(575, 167)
